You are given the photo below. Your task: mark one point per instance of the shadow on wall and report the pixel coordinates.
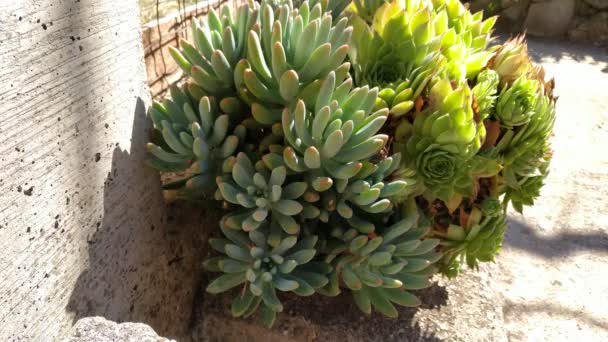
(521, 235)
(143, 262)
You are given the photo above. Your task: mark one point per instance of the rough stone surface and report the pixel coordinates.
(579, 20)
(583, 10)
(549, 18)
(555, 257)
(599, 4)
(515, 11)
(98, 329)
(84, 230)
(594, 29)
(512, 16)
(478, 5)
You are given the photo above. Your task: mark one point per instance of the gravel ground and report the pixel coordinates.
(550, 282)
(553, 271)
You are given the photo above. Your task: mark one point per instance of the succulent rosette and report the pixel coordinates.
(448, 121)
(394, 39)
(262, 269)
(263, 194)
(511, 61)
(333, 139)
(527, 155)
(198, 140)
(380, 268)
(356, 147)
(527, 189)
(374, 190)
(437, 166)
(219, 43)
(516, 104)
(485, 92)
(478, 240)
(465, 38)
(442, 141)
(287, 56)
(395, 51)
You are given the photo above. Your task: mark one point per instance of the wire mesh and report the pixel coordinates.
(164, 23)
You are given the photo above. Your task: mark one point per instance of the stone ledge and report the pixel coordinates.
(99, 329)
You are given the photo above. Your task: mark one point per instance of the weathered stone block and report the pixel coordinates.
(98, 329)
(478, 5)
(549, 18)
(599, 4)
(515, 11)
(594, 29)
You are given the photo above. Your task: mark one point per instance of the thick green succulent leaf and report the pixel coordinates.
(225, 282)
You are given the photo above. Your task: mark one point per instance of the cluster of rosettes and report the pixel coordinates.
(472, 121)
(356, 147)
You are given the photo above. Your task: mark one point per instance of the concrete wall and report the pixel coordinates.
(83, 227)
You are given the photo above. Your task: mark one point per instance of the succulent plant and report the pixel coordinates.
(410, 30)
(511, 60)
(465, 38)
(219, 44)
(485, 92)
(448, 122)
(479, 240)
(517, 103)
(169, 120)
(443, 138)
(330, 140)
(380, 267)
(365, 175)
(197, 140)
(262, 269)
(394, 50)
(527, 155)
(526, 190)
(491, 206)
(374, 190)
(288, 56)
(262, 194)
(439, 169)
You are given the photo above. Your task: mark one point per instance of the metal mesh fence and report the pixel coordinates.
(164, 23)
